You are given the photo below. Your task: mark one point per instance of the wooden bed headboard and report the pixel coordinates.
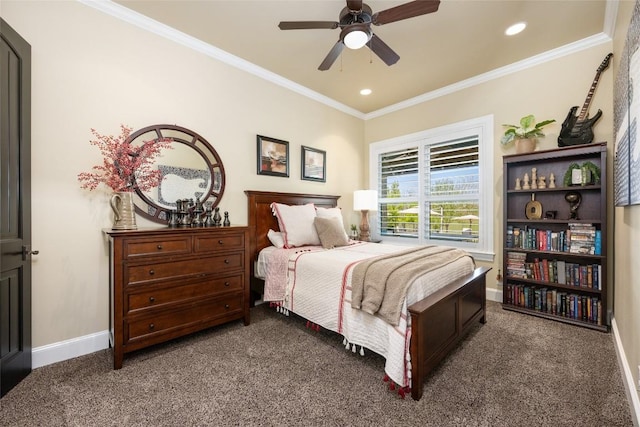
(261, 218)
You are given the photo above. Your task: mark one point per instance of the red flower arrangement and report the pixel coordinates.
(125, 166)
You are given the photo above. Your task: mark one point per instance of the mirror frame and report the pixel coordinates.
(149, 208)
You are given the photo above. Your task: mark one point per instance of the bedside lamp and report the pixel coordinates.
(365, 201)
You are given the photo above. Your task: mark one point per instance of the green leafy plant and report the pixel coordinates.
(590, 166)
(528, 128)
(567, 175)
(595, 171)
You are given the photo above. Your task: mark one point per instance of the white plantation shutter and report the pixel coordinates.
(398, 190)
(430, 187)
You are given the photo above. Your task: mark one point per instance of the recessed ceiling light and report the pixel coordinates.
(365, 92)
(515, 28)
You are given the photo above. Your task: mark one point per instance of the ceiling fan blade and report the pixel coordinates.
(354, 5)
(335, 51)
(307, 25)
(383, 51)
(405, 11)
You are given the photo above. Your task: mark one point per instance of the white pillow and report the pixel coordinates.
(332, 213)
(296, 224)
(276, 239)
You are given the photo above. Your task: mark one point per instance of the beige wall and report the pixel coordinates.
(546, 91)
(627, 235)
(91, 70)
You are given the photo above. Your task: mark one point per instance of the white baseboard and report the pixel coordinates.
(494, 295)
(627, 377)
(63, 350)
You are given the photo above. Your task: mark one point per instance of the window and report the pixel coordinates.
(430, 187)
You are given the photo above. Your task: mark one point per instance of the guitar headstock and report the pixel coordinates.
(605, 63)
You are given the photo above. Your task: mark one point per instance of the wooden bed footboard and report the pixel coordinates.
(438, 322)
(441, 321)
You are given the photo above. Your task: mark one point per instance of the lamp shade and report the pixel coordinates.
(365, 200)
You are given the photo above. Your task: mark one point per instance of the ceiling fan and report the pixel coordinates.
(355, 21)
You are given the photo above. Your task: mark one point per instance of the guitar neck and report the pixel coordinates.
(587, 102)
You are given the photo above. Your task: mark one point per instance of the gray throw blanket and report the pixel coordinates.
(379, 285)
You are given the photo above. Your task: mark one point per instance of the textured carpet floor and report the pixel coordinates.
(516, 370)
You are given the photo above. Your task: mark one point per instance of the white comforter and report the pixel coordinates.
(315, 284)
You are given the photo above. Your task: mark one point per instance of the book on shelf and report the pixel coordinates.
(598, 243)
(509, 238)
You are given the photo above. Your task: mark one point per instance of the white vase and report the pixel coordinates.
(124, 211)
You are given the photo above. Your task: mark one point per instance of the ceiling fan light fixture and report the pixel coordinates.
(356, 36)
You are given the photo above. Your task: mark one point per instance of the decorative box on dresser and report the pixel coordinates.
(554, 264)
(170, 282)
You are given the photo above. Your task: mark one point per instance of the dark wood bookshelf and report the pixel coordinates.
(545, 239)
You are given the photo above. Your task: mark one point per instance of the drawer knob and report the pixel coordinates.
(226, 261)
(151, 272)
(152, 300)
(226, 306)
(227, 283)
(220, 242)
(159, 247)
(151, 326)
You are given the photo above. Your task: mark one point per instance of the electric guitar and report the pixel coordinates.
(577, 130)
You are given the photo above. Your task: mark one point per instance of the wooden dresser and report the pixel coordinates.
(170, 282)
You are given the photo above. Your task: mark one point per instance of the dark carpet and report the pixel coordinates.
(515, 370)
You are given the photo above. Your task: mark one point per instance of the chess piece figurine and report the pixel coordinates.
(526, 185)
(542, 182)
(226, 223)
(518, 186)
(208, 221)
(552, 180)
(217, 219)
(534, 178)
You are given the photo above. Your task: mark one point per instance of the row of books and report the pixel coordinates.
(585, 239)
(587, 276)
(579, 307)
(579, 238)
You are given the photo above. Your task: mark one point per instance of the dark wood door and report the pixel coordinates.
(15, 208)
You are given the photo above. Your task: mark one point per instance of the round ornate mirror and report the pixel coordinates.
(191, 169)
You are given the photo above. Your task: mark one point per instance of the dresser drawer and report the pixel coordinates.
(167, 322)
(157, 296)
(231, 241)
(157, 246)
(184, 268)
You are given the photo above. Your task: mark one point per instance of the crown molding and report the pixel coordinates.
(533, 61)
(141, 21)
(120, 12)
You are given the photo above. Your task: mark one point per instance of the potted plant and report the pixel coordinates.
(525, 135)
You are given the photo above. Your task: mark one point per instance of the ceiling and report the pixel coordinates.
(463, 39)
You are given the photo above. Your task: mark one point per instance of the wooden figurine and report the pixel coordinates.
(542, 183)
(534, 178)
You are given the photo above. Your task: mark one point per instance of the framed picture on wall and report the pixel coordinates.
(314, 164)
(273, 156)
